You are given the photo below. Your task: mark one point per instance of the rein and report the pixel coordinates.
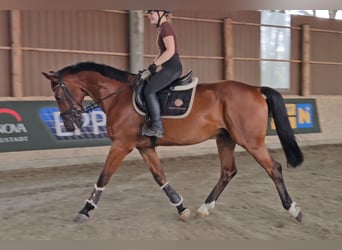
(94, 105)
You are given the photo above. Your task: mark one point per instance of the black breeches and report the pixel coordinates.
(171, 70)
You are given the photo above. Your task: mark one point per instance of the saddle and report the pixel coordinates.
(175, 100)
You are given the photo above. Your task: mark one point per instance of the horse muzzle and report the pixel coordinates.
(72, 118)
(78, 121)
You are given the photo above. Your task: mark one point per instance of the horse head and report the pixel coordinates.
(69, 97)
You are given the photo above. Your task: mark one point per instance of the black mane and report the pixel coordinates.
(103, 69)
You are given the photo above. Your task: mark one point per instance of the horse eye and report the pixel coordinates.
(58, 98)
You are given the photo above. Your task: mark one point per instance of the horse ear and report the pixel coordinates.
(50, 76)
(46, 75)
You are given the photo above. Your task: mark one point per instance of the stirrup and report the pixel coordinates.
(151, 132)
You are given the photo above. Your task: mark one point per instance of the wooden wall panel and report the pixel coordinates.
(53, 39)
(75, 32)
(5, 54)
(326, 47)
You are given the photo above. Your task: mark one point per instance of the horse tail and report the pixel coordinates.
(277, 110)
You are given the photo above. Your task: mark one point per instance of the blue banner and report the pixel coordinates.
(35, 125)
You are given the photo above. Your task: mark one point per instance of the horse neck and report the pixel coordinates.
(103, 90)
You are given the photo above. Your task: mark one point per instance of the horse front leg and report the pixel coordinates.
(153, 162)
(115, 156)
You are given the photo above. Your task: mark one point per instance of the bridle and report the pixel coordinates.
(77, 109)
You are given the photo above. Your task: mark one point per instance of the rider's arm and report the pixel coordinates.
(168, 53)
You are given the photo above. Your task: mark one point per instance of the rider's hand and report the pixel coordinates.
(151, 70)
(145, 74)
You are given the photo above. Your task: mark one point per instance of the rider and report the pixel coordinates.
(165, 68)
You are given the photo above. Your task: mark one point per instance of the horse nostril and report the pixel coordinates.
(69, 127)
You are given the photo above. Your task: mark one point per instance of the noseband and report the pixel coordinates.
(76, 109)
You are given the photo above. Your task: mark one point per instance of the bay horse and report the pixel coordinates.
(231, 112)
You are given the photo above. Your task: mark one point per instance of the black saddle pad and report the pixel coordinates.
(175, 103)
(175, 100)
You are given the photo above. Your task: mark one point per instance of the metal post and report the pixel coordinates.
(306, 85)
(16, 54)
(228, 49)
(136, 40)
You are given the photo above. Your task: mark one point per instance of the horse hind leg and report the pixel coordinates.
(225, 148)
(274, 170)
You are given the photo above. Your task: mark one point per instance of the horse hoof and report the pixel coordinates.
(299, 217)
(185, 214)
(296, 212)
(80, 218)
(203, 211)
(201, 214)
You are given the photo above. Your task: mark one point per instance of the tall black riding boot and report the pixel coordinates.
(153, 106)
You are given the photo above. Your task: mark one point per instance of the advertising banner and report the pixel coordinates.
(34, 125)
(303, 116)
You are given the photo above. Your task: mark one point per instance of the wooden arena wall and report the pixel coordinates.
(32, 41)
